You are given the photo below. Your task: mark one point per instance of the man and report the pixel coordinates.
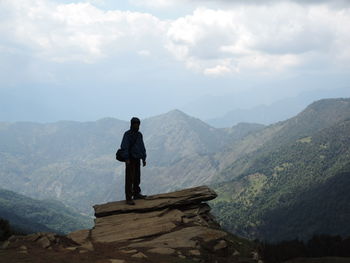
(134, 151)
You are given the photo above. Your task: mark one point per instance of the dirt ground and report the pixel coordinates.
(30, 252)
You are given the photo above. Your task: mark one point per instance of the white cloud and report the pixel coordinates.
(161, 4)
(217, 70)
(260, 39)
(158, 3)
(97, 2)
(144, 53)
(65, 32)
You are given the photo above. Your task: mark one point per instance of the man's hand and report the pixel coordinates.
(144, 163)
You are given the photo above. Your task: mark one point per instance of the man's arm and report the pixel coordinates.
(144, 154)
(125, 147)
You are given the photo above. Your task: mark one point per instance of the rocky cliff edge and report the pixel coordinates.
(170, 227)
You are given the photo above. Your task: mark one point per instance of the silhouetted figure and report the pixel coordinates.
(134, 151)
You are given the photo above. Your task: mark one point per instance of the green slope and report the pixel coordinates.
(319, 115)
(281, 190)
(29, 215)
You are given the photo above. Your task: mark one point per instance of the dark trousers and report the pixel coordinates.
(132, 178)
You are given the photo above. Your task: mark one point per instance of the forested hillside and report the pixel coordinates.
(27, 215)
(297, 183)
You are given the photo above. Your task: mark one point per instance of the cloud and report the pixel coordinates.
(144, 53)
(217, 70)
(264, 2)
(260, 39)
(157, 3)
(77, 31)
(275, 38)
(171, 3)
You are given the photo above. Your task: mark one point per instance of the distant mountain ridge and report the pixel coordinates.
(174, 135)
(74, 162)
(263, 114)
(277, 111)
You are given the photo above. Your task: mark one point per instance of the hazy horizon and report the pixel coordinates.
(87, 60)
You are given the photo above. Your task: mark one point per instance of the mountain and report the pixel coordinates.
(264, 114)
(295, 184)
(184, 150)
(276, 111)
(74, 162)
(68, 161)
(28, 215)
(319, 115)
(175, 135)
(242, 129)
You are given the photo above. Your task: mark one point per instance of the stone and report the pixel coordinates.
(255, 255)
(33, 237)
(183, 238)
(220, 245)
(71, 248)
(44, 242)
(131, 251)
(155, 202)
(12, 238)
(5, 244)
(137, 240)
(80, 236)
(165, 224)
(117, 261)
(50, 236)
(23, 248)
(139, 255)
(196, 210)
(195, 252)
(88, 246)
(187, 220)
(36, 236)
(162, 250)
(135, 225)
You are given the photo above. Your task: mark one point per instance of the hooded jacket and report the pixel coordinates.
(133, 146)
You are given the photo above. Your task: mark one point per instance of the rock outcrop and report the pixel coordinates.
(177, 223)
(171, 227)
(172, 215)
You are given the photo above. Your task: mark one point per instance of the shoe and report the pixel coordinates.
(140, 196)
(130, 202)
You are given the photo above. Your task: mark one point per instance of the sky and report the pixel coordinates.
(86, 60)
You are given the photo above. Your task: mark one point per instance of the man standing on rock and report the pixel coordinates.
(134, 151)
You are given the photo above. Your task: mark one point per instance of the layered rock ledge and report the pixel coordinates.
(157, 215)
(170, 227)
(176, 224)
(181, 198)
